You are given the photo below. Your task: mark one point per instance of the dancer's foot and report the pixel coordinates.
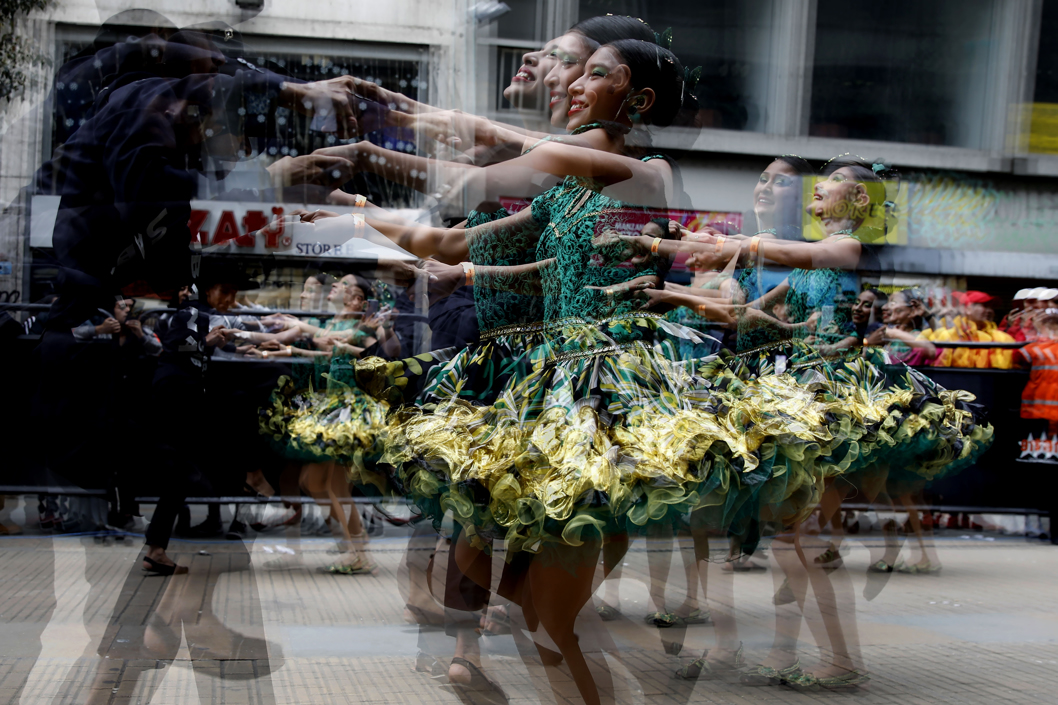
(468, 675)
(717, 664)
(425, 663)
(352, 564)
(496, 621)
(763, 674)
(877, 576)
(155, 561)
(831, 678)
(784, 595)
(663, 620)
(923, 567)
(695, 616)
(830, 559)
(417, 614)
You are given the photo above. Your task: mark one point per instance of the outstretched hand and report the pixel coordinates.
(333, 98)
(313, 169)
(638, 288)
(453, 128)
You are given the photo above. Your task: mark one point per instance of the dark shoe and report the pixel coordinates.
(236, 532)
(206, 530)
(163, 569)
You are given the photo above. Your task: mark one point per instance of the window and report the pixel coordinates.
(729, 39)
(902, 71)
(1043, 138)
(399, 69)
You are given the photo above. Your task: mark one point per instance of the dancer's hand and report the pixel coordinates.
(306, 216)
(625, 291)
(453, 128)
(403, 274)
(444, 279)
(706, 235)
(321, 99)
(634, 248)
(314, 169)
(706, 260)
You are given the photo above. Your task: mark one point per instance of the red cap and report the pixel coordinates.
(977, 297)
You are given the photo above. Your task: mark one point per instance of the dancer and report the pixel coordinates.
(592, 425)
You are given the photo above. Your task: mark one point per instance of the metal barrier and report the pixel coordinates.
(261, 312)
(978, 344)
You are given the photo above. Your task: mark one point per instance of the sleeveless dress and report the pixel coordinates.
(319, 414)
(892, 424)
(601, 422)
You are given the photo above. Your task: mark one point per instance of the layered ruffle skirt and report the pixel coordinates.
(544, 432)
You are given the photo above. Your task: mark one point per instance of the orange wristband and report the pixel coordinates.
(468, 272)
(720, 244)
(654, 246)
(754, 244)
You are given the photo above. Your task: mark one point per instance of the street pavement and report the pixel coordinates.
(251, 623)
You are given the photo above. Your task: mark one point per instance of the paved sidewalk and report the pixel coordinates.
(985, 630)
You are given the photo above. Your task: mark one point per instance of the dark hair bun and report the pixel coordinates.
(606, 29)
(658, 69)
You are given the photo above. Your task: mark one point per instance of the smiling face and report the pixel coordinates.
(839, 199)
(570, 52)
(861, 310)
(527, 90)
(899, 312)
(310, 294)
(777, 195)
(602, 92)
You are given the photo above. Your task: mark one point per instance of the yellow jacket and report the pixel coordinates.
(981, 358)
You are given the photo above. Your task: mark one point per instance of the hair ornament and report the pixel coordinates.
(889, 204)
(691, 77)
(878, 167)
(664, 39)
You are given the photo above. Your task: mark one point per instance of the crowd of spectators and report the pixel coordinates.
(910, 321)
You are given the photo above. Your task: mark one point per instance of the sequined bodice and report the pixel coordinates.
(573, 214)
(505, 247)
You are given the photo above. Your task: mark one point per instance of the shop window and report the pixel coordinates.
(730, 39)
(902, 71)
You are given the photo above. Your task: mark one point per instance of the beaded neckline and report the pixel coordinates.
(584, 128)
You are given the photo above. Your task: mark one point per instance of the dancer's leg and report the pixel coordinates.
(787, 616)
(559, 584)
